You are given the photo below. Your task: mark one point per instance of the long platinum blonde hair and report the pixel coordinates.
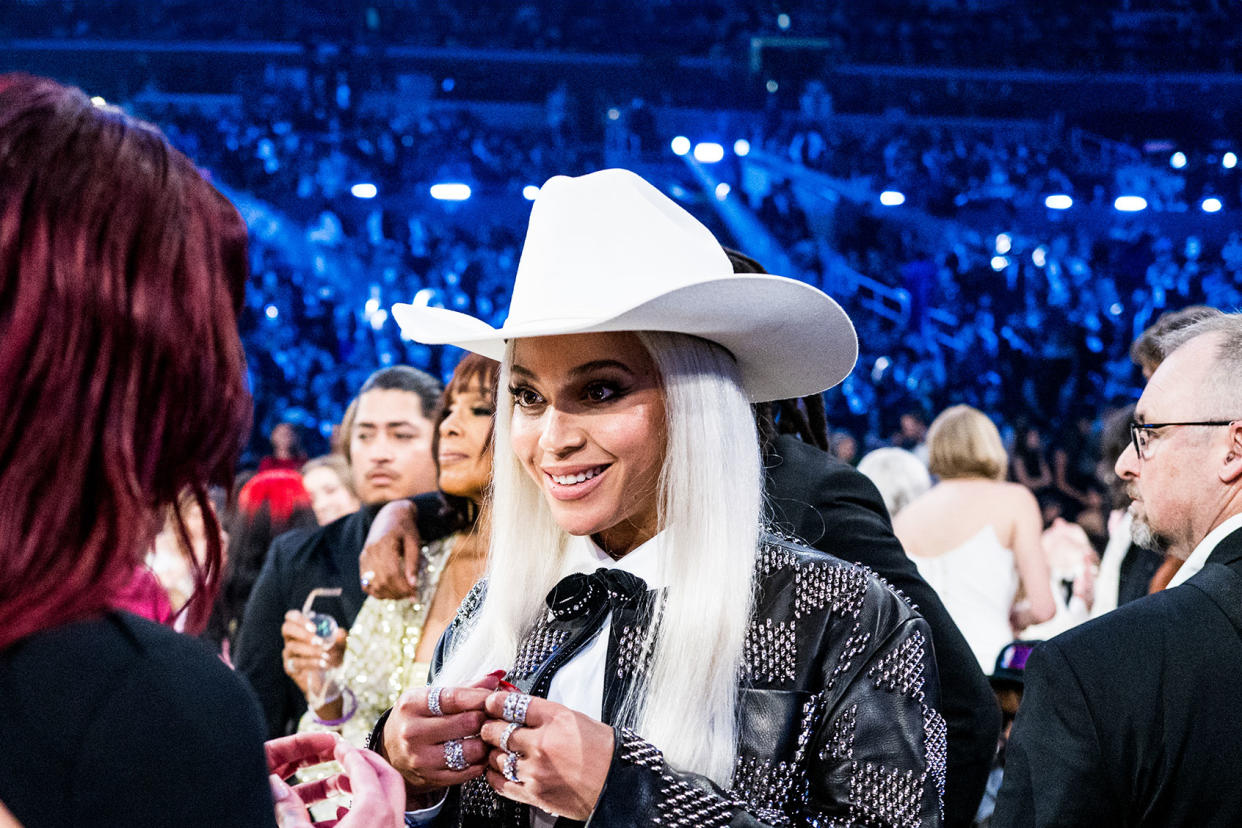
(709, 508)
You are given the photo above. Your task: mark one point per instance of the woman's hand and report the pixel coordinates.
(563, 757)
(389, 559)
(304, 652)
(378, 794)
(415, 737)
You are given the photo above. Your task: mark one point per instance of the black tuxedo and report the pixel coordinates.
(1133, 719)
(836, 509)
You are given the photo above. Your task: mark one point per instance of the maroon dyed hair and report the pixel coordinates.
(122, 378)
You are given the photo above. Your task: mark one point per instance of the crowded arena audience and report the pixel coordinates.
(1012, 286)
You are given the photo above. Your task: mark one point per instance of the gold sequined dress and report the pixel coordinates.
(379, 654)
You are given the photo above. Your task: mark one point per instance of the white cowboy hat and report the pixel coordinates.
(610, 252)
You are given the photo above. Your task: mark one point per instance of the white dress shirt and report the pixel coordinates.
(1199, 556)
(579, 684)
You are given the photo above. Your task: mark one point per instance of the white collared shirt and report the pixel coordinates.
(579, 684)
(1199, 556)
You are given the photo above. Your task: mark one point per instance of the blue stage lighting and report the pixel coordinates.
(892, 198)
(364, 190)
(1130, 204)
(1229, 160)
(1211, 205)
(1178, 160)
(1059, 201)
(741, 148)
(708, 152)
(450, 191)
(530, 192)
(680, 145)
(722, 191)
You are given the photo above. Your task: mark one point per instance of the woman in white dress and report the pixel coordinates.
(976, 538)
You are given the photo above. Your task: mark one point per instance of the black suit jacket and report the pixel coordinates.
(836, 509)
(1133, 718)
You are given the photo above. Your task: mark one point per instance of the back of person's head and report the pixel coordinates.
(1157, 341)
(269, 504)
(963, 442)
(122, 377)
(1114, 439)
(396, 378)
(898, 474)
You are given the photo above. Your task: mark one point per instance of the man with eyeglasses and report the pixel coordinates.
(1135, 718)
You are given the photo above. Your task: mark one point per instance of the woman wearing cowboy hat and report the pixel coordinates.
(674, 663)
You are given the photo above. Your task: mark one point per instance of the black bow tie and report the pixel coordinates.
(577, 595)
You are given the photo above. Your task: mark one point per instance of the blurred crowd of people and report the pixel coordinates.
(1177, 34)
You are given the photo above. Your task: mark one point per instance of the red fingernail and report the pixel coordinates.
(512, 688)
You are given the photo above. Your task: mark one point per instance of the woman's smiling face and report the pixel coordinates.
(589, 427)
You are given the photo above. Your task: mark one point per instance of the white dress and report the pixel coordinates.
(977, 582)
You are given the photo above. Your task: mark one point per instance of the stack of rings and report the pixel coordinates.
(515, 708)
(515, 714)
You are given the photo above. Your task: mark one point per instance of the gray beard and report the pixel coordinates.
(1141, 533)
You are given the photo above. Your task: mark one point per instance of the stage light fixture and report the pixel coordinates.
(741, 148)
(1229, 160)
(1211, 205)
(1004, 243)
(530, 192)
(1178, 160)
(772, 86)
(892, 198)
(722, 191)
(271, 312)
(364, 190)
(999, 263)
(783, 22)
(1130, 204)
(708, 152)
(1040, 256)
(450, 191)
(1060, 201)
(680, 145)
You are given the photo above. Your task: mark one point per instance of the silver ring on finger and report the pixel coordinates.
(504, 737)
(515, 708)
(433, 701)
(367, 578)
(510, 771)
(454, 755)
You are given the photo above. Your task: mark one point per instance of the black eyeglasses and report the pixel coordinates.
(1141, 433)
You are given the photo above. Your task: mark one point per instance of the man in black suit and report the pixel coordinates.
(388, 430)
(833, 507)
(1132, 719)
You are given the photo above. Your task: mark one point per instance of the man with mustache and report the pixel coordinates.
(386, 435)
(1131, 719)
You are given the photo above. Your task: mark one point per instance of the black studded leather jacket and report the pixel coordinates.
(837, 712)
